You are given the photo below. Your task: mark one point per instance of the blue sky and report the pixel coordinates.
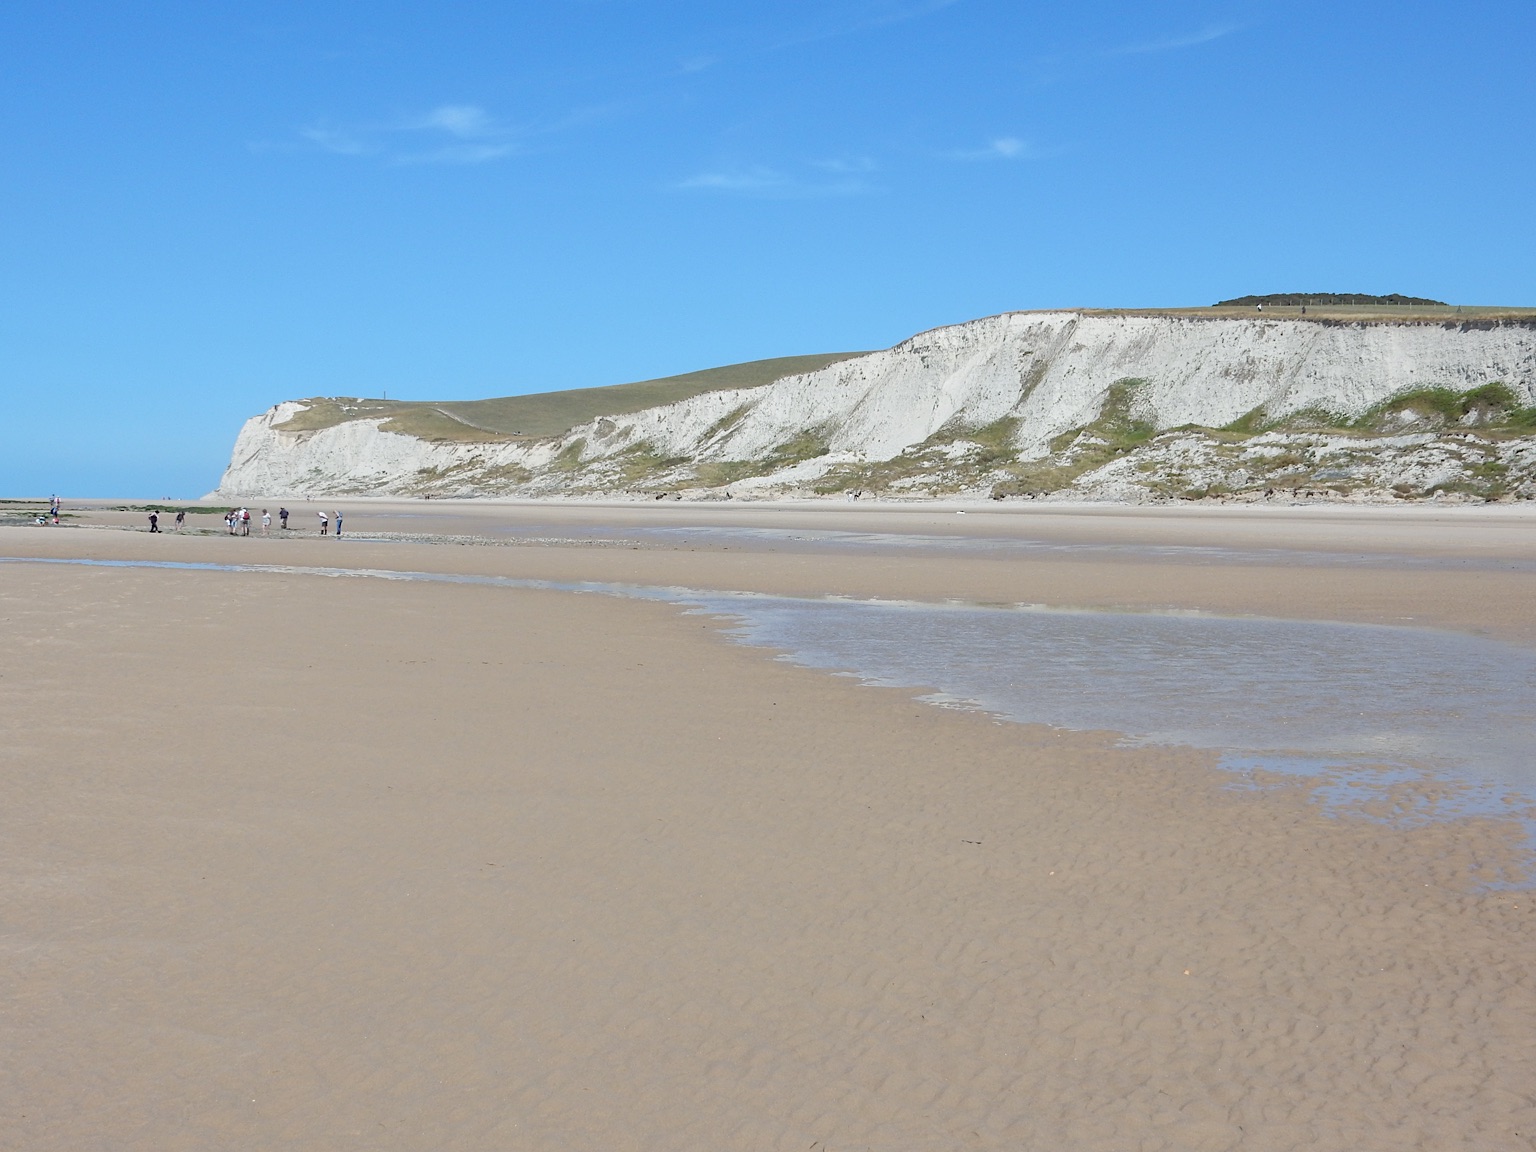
(209, 207)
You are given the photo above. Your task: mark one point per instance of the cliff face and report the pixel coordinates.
(1026, 402)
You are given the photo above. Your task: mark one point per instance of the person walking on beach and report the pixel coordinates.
(325, 525)
(282, 519)
(181, 518)
(245, 521)
(154, 521)
(266, 521)
(229, 521)
(338, 521)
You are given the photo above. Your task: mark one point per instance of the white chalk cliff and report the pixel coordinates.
(1032, 378)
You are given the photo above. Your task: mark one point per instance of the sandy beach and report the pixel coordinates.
(308, 863)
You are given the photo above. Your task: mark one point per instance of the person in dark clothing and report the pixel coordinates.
(154, 521)
(282, 518)
(181, 518)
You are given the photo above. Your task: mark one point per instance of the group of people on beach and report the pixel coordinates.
(237, 521)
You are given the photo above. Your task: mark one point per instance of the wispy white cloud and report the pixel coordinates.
(1055, 67)
(458, 154)
(337, 140)
(846, 166)
(737, 180)
(771, 184)
(463, 120)
(1002, 148)
(447, 134)
(1173, 43)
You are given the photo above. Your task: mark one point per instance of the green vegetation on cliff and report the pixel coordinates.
(546, 413)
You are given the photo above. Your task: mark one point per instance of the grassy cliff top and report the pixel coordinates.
(1350, 313)
(546, 413)
(1326, 299)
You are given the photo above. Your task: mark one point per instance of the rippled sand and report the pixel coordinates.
(304, 863)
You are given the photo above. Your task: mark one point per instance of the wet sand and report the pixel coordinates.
(306, 863)
(1467, 569)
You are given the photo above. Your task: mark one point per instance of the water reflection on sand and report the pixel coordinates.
(1404, 724)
